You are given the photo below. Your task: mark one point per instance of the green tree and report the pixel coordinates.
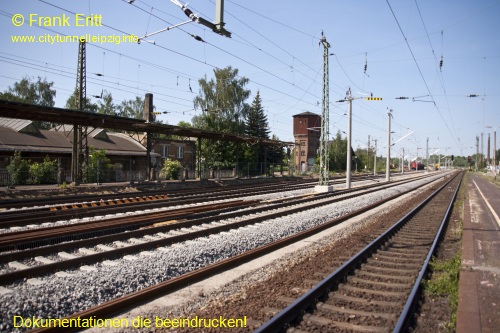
(98, 167)
(45, 172)
(132, 108)
(338, 153)
(38, 93)
(72, 103)
(185, 124)
(276, 153)
(256, 125)
(19, 169)
(224, 109)
(105, 104)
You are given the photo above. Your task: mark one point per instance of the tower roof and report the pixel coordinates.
(307, 113)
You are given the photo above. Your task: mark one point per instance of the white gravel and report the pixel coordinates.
(59, 297)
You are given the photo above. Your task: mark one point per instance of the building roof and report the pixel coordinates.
(59, 142)
(19, 125)
(307, 113)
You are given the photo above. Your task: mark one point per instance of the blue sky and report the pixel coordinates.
(276, 45)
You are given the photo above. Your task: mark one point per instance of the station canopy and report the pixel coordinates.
(32, 112)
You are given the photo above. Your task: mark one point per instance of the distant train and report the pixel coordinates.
(417, 166)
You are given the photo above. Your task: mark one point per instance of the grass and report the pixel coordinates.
(444, 283)
(446, 272)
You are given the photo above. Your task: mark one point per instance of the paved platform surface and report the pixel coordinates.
(479, 286)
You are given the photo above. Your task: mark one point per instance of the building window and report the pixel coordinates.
(302, 153)
(180, 152)
(165, 151)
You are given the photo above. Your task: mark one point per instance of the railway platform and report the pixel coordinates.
(479, 286)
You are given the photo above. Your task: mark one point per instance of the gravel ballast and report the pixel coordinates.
(59, 297)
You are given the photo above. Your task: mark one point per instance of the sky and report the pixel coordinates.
(276, 45)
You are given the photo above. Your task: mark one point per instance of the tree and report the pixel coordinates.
(19, 169)
(45, 172)
(105, 104)
(38, 93)
(72, 103)
(338, 153)
(98, 167)
(222, 102)
(256, 125)
(256, 120)
(185, 124)
(133, 108)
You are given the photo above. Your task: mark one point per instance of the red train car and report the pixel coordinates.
(417, 166)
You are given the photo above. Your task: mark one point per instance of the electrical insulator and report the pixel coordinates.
(441, 63)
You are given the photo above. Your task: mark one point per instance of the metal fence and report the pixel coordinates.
(242, 170)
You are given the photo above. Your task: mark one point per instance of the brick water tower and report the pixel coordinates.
(306, 132)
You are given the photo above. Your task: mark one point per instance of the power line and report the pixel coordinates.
(273, 20)
(420, 71)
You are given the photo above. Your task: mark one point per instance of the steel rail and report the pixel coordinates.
(62, 200)
(119, 252)
(28, 217)
(409, 308)
(300, 305)
(17, 238)
(119, 305)
(40, 233)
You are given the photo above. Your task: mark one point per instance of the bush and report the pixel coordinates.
(19, 169)
(171, 169)
(45, 172)
(98, 167)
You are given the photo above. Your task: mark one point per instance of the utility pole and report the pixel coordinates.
(495, 152)
(349, 98)
(375, 158)
(427, 156)
(403, 162)
(349, 134)
(325, 125)
(482, 150)
(488, 159)
(368, 153)
(477, 152)
(78, 155)
(388, 162)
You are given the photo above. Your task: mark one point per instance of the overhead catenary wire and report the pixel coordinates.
(421, 74)
(274, 88)
(204, 62)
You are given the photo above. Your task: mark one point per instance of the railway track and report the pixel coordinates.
(67, 202)
(377, 289)
(39, 215)
(111, 307)
(86, 200)
(108, 204)
(160, 231)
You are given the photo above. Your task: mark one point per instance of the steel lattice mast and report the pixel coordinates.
(323, 148)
